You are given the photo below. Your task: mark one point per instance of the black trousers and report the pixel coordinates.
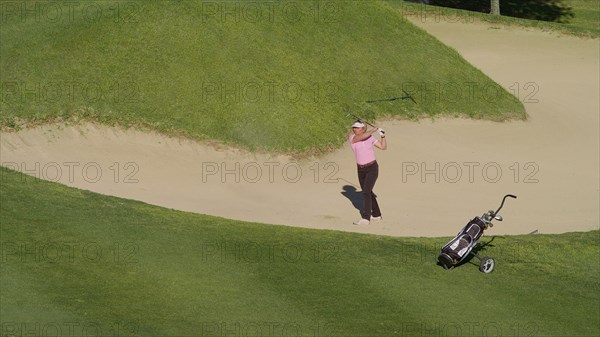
(367, 176)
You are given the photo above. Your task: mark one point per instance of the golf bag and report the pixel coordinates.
(457, 249)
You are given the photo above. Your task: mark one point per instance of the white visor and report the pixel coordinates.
(358, 125)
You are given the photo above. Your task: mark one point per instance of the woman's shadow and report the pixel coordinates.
(353, 195)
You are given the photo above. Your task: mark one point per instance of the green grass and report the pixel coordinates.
(79, 260)
(585, 21)
(586, 17)
(257, 76)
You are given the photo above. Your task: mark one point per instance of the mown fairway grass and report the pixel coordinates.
(77, 260)
(272, 76)
(585, 21)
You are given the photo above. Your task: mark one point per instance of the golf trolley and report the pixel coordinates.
(457, 249)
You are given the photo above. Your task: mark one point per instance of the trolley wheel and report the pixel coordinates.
(487, 264)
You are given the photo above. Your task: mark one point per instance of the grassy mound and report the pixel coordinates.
(273, 76)
(77, 260)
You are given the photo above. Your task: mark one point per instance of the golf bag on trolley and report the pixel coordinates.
(457, 249)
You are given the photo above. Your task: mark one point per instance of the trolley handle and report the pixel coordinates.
(502, 204)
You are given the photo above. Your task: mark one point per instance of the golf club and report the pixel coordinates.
(406, 96)
(359, 119)
(350, 114)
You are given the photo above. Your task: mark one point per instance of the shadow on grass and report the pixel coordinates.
(479, 248)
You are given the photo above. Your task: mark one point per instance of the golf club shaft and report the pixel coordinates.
(360, 119)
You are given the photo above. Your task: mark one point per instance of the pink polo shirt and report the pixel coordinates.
(363, 150)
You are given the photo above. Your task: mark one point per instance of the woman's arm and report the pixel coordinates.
(382, 144)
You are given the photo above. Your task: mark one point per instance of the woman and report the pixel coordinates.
(362, 143)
